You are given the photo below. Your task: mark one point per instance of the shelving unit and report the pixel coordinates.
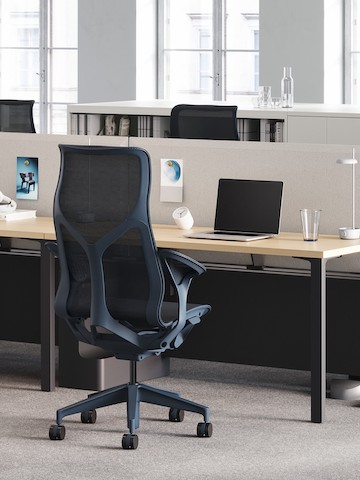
(152, 119)
(304, 123)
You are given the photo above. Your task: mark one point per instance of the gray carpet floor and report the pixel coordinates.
(260, 417)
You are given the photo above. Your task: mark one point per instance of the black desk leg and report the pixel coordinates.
(47, 283)
(318, 339)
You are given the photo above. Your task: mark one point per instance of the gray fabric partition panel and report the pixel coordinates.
(312, 179)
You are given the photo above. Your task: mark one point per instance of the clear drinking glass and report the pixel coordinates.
(310, 220)
(265, 96)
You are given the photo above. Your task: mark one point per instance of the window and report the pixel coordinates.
(352, 52)
(37, 39)
(208, 49)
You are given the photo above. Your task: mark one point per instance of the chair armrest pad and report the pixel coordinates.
(184, 260)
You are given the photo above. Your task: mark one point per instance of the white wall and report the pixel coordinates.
(117, 49)
(306, 35)
(116, 45)
(107, 50)
(334, 51)
(292, 34)
(146, 54)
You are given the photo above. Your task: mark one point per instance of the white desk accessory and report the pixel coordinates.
(6, 204)
(183, 218)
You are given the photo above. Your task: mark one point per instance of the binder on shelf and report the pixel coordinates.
(160, 127)
(94, 124)
(157, 127)
(248, 129)
(271, 130)
(110, 125)
(279, 131)
(74, 124)
(263, 129)
(140, 126)
(251, 129)
(81, 128)
(18, 214)
(124, 126)
(268, 131)
(144, 126)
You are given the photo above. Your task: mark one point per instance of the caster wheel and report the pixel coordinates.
(130, 441)
(204, 429)
(176, 415)
(57, 432)
(89, 416)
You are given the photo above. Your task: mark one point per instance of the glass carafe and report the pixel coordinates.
(287, 89)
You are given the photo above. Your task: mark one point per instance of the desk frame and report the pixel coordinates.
(291, 245)
(318, 339)
(288, 245)
(40, 229)
(47, 318)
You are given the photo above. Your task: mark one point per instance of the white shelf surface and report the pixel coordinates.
(245, 110)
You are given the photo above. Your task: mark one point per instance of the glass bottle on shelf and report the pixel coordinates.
(287, 89)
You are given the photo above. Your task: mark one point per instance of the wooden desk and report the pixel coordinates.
(41, 229)
(166, 236)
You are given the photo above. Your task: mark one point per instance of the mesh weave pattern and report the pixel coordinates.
(98, 193)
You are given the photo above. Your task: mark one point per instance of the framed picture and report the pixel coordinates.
(27, 178)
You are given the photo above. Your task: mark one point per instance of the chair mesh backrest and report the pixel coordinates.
(17, 116)
(213, 122)
(104, 234)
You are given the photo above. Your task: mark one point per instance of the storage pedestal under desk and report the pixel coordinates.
(99, 374)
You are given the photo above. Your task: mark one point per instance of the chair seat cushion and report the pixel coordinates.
(131, 312)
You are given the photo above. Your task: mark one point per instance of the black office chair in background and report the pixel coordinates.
(212, 122)
(113, 278)
(17, 116)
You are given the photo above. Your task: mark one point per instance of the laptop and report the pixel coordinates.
(246, 210)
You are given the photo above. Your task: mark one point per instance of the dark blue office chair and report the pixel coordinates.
(17, 116)
(212, 122)
(113, 278)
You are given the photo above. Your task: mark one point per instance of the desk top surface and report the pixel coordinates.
(170, 236)
(286, 244)
(38, 228)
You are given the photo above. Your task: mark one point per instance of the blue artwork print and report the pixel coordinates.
(172, 170)
(27, 180)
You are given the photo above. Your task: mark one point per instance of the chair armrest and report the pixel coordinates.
(186, 269)
(181, 269)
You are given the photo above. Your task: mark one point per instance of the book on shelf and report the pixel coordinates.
(81, 124)
(248, 129)
(271, 130)
(279, 137)
(124, 126)
(268, 131)
(73, 124)
(144, 125)
(18, 214)
(94, 124)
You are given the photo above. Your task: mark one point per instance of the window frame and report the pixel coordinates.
(219, 51)
(43, 66)
(347, 51)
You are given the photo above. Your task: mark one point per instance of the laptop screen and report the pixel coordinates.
(248, 206)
